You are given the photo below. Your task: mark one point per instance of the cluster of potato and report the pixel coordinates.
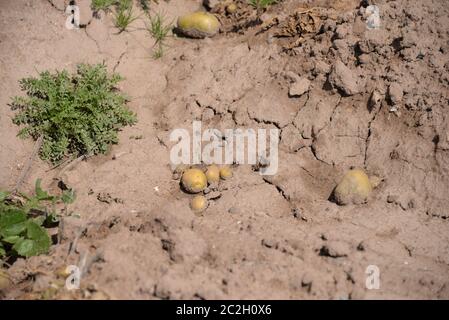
(198, 180)
(354, 188)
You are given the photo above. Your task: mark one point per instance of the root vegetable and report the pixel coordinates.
(231, 8)
(194, 180)
(354, 188)
(198, 25)
(225, 172)
(213, 174)
(63, 272)
(199, 204)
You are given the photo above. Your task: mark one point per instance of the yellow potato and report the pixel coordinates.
(212, 174)
(62, 272)
(198, 25)
(199, 203)
(225, 172)
(194, 180)
(355, 187)
(231, 8)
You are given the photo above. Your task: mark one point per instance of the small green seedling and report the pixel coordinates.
(23, 219)
(159, 29)
(124, 15)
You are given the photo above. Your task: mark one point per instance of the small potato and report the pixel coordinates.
(198, 25)
(354, 188)
(213, 174)
(199, 203)
(194, 180)
(231, 8)
(63, 272)
(225, 172)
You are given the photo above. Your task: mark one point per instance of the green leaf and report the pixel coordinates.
(24, 247)
(13, 230)
(22, 221)
(32, 203)
(13, 239)
(68, 196)
(38, 241)
(39, 220)
(41, 194)
(11, 217)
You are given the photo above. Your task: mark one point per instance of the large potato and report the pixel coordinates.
(354, 188)
(198, 25)
(194, 180)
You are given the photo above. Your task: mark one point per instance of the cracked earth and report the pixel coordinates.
(263, 237)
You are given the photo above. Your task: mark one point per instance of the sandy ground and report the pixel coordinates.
(266, 237)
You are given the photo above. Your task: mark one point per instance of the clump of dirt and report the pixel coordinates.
(374, 99)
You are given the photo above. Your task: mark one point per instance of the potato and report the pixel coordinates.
(198, 25)
(354, 188)
(194, 180)
(62, 272)
(225, 172)
(199, 203)
(231, 8)
(213, 174)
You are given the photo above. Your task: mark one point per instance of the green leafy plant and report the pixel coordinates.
(262, 4)
(124, 15)
(104, 5)
(76, 114)
(159, 29)
(23, 219)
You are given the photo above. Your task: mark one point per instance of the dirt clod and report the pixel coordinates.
(299, 88)
(343, 79)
